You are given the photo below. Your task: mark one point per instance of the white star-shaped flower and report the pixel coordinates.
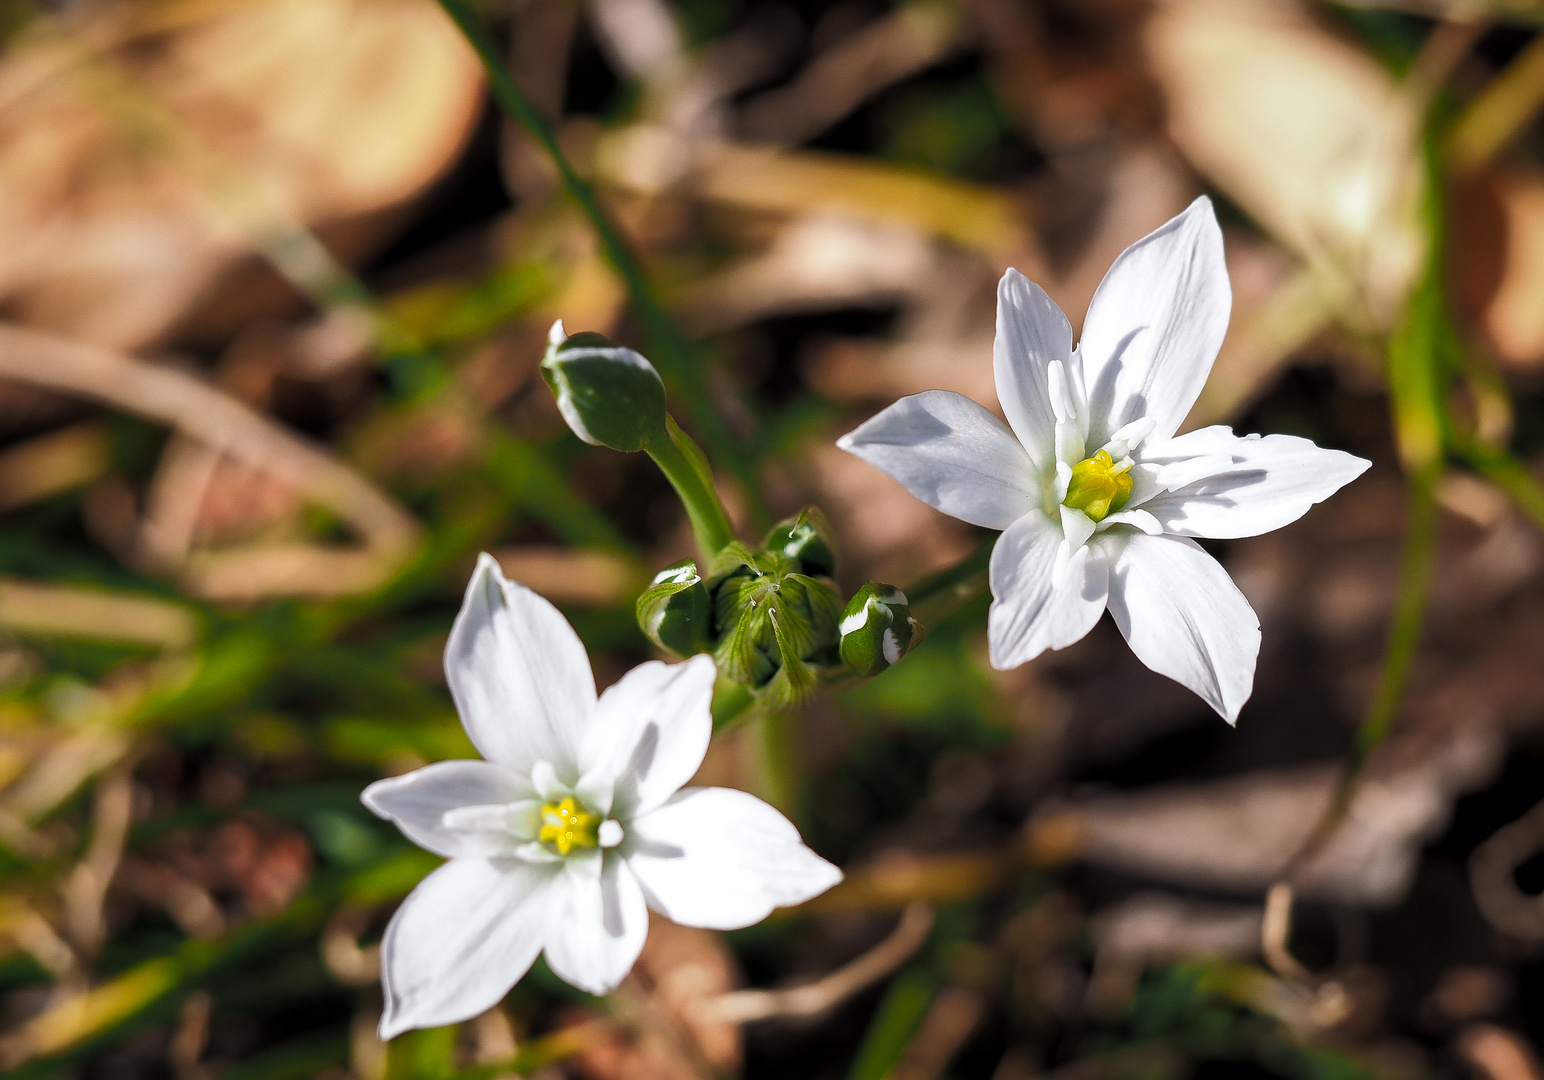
(1097, 498)
(575, 824)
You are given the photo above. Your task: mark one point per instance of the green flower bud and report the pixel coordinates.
(877, 629)
(773, 626)
(608, 394)
(676, 611)
(806, 540)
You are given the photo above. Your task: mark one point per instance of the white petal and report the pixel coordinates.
(460, 940)
(1155, 325)
(1254, 484)
(722, 859)
(648, 735)
(509, 825)
(418, 801)
(1031, 614)
(1184, 618)
(952, 454)
(1031, 333)
(536, 852)
(518, 673)
(544, 778)
(597, 923)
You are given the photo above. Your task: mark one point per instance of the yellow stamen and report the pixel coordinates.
(566, 826)
(1098, 488)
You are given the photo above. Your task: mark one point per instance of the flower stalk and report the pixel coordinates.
(685, 466)
(666, 342)
(612, 396)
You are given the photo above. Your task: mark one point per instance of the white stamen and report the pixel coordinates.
(1061, 399)
(1060, 564)
(1128, 438)
(1137, 519)
(610, 833)
(1076, 526)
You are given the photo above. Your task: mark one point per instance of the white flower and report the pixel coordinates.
(575, 824)
(1097, 498)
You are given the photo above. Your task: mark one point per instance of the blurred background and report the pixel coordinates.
(276, 276)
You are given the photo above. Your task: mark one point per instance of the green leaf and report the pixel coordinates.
(894, 1023)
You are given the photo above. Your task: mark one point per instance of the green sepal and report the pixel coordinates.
(805, 539)
(737, 559)
(877, 629)
(676, 611)
(795, 681)
(608, 394)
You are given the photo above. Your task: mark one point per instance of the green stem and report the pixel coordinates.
(1419, 351)
(1415, 569)
(1409, 614)
(781, 773)
(730, 704)
(940, 594)
(683, 464)
(668, 347)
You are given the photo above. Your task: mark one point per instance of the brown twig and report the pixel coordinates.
(1491, 867)
(1494, 1053)
(1276, 933)
(745, 1006)
(85, 889)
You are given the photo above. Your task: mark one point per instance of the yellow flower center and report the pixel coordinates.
(565, 825)
(1099, 487)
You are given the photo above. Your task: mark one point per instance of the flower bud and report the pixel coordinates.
(877, 629)
(609, 394)
(772, 626)
(676, 612)
(805, 540)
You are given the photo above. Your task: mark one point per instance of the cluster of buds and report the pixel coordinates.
(771, 616)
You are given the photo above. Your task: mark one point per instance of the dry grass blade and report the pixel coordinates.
(211, 417)
(744, 1006)
(53, 463)
(914, 37)
(1494, 1053)
(567, 575)
(63, 611)
(1500, 112)
(773, 180)
(1331, 168)
(85, 889)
